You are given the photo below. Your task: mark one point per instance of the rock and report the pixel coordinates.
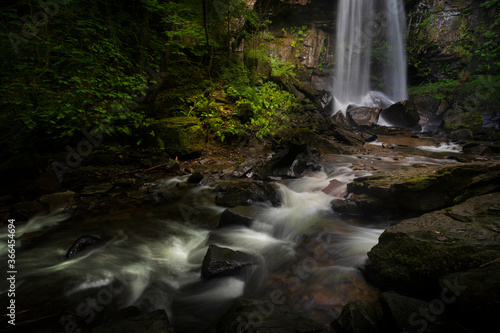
(27, 210)
(430, 110)
(335, 189)
(412, 255)
(61, 200)
(220, 261)
(195, 178)
(346, 137)
(82, 244)
(94, 189)
(398, 310)
(340, 119)
(363, 116)
(403, 114)
(483, 148)
(272, 315)
(291, 162)
(457, 118)
(473, 296)
(181, 136)
(461, 134)
(154, 322)
(246, 193)
(425, 188)
(234, 217)
(349, 208)
(358, 317)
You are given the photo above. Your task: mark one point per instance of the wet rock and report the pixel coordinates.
(292, 162)
(246, 193)
(346, 137)
(154, 322)
(349, 208)
(425, 188)
(235, 217)
(94, 189)
(335, 189)
(82, 244)
(220, 261)
(358, 317)
(363, 116)
(430, 111)
(412, 255)
(480, 148)
(61, 200)
(398, 310)
(27, 210)
(340, 119)
(181, 136)
(461, 134)
(195, 178)
(474, 296)
(271, 315)
(402, 114)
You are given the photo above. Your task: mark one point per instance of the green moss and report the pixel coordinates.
(180, 135)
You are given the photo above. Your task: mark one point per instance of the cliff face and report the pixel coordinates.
(446, 38)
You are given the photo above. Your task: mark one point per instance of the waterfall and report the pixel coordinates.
(370, 55)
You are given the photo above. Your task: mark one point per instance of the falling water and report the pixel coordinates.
(370, 47)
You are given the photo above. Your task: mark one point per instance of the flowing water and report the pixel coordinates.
(370, 43)
(152, 257)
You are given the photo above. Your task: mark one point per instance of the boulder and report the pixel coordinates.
(195, 178)
(457, 118)
(346, 136)
(246, 193)
(269, 315)
(220, 261)
(82, 244)
(336, 188)
(363, 116)
(60, 200)
(292, 161)
(425, 188)
(349, 208)
(461, 134)
(474, 297)
(480, 148)
(358, 317)
(235, 217)
(403, 114)
(412, 255)
(430, 110)
(180, 136)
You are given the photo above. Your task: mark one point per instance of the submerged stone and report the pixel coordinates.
(220, 261)
(82, 244)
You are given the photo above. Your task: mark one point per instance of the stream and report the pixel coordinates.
(308, 256)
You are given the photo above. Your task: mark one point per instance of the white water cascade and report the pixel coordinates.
(370, 47)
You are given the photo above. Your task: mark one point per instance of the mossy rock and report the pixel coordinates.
(456, 119)
(180, 136)
(412, 255)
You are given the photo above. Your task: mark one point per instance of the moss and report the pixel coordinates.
(180, 135)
